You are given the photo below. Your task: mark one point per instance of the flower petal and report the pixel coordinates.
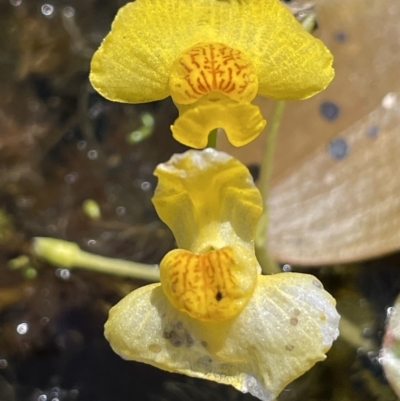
(291, 63)
(390, 353)
(283, 331)
(208, 199)
(134, 61)
(242, 122)
(213, 286)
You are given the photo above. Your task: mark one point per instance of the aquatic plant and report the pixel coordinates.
(214, 315)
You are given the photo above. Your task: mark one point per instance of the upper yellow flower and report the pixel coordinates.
(214, 315)
(213, 57)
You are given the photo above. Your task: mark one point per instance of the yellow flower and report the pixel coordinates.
(212, 57)
(214, 316)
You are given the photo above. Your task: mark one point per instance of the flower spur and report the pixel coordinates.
(213, 57)
(214, 316)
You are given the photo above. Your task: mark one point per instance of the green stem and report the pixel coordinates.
(212, 139)
(269, 149)
(267, 264)
(69, 255)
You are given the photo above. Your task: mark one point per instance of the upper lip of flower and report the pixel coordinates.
(138, 61)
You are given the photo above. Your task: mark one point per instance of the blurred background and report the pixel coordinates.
(334, 205)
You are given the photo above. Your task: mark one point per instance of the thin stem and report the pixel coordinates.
(212, 139)
(269, 149)
(267, 264)
(69, 255)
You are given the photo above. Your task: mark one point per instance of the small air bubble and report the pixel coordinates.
(120, 211)
(42, 397)
(3, 363)
(286, 268)
(390, 311)
(63, 274)
(367, 332)
(317, 284)
(55, 391)
(15, 3)
(68, 12)
(373, 356)
(51, 228)
(22, 329)
(70, 178)
(92, 154)
(95, 111)
(146, 186)
(92, 243)
(47, 10)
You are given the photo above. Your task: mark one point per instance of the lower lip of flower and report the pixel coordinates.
(207, 286)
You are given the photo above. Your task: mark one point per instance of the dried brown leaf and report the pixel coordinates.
(327, 209)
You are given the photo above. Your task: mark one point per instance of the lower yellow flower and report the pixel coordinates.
(214, 316)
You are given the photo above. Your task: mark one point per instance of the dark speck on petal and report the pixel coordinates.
(177, 335)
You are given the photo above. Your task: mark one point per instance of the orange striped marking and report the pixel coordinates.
(212, 67)
(203, 285)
